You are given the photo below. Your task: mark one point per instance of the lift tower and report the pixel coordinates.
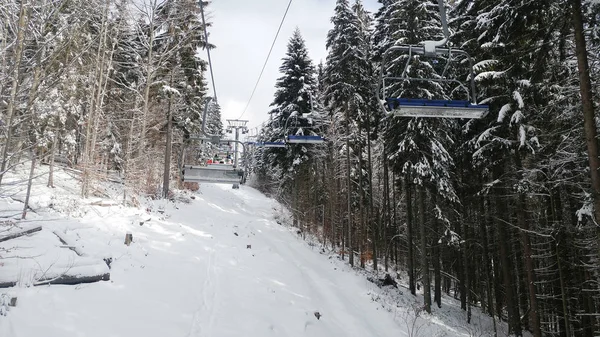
(237, 125)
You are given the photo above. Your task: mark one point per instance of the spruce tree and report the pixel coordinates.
(418, 147)
(519, 71)
(291, 113)
(347, 96)
(214, 123)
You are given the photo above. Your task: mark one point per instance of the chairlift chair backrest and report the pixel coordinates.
(301, 139)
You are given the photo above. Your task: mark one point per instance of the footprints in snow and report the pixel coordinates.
(248, 246)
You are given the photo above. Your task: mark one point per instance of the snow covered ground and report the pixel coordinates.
(220, 265)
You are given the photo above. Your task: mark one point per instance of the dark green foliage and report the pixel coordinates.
(292, 114)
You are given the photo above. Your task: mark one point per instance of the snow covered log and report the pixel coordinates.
(66, 280)
(63, 239)
(7, 284)
(19, 233)
(73, 280)
(78, 274)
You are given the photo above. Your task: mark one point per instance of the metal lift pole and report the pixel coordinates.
(237, 139)
(238, 125)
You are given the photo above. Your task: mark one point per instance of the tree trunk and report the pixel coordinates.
(128, 153)
(460, 264)
(29, 183)
(409, 238)
(386, 210)
(375, 224)
(363, 220)
(94, 110)
(424, 262)
(52, 154)
(4, 28)
(489, 279)
(563, 290)
(168, 146)
(396, 226)
(555, 209)
(589, 123)
(334, 201)
(466, 288)
(437, 294)
(527, 253)
(12, 102)
(149, 78)
(514, 322)
(349, 185)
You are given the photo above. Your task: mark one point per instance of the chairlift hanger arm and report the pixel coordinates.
(292, 139)
(422, 51)
(443, 80)
(430, 47)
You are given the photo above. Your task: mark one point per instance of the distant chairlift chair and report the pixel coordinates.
(270, 144)
(291, 139)
(216, 174)
(212, 173)
(301, 139)
(418, 107)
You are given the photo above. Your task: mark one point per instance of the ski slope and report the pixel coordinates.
(219, 266)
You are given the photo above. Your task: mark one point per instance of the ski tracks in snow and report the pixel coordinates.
(203, 319)
(275, 286)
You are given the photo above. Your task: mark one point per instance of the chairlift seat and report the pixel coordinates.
(410, 107)
(211, 174)
(272, 144)
(304, 139)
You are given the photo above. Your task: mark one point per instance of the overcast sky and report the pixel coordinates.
(243, 31)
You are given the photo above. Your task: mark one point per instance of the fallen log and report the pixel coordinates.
(65, 280)
(77, 275)
(20, 233)
(105, 203)
(7, 284)
(73, 280)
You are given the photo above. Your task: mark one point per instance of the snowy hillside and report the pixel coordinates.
(224, 264)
